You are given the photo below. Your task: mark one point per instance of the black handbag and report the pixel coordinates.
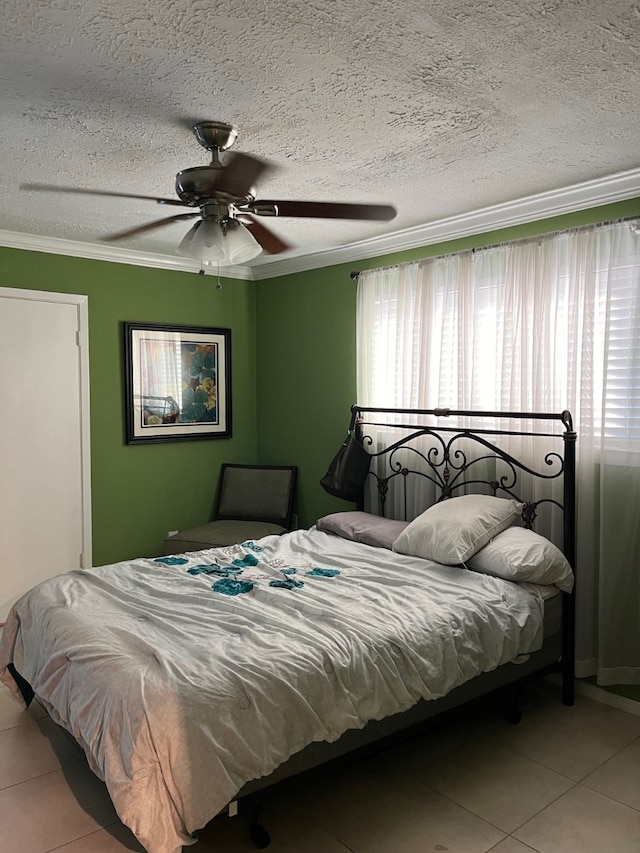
(347, 470)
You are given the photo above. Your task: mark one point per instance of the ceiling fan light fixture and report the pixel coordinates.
(241, 245)
(184, 248)
(204, 242)
(209, 243)
(210, 233)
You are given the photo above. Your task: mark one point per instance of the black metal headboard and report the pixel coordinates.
(455, 459)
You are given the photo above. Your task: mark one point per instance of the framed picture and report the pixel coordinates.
(177, 382)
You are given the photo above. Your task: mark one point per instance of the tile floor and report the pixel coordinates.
(565, 780)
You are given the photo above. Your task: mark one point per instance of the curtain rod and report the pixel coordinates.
(355, 273)
(547, 235)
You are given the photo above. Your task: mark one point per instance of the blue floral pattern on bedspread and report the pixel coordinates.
(242, 560)
(247, 560)
(291, 584)
(222, 571)
(232, 587)
(171, 561)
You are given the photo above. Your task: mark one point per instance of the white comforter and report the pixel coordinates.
(184, 678)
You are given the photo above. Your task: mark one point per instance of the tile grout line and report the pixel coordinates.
(608, 796)
(73, 840)
(575, 784)
(517, 840)
(635, 739)
(526, 758)
(469, 811)
(60, 769)
(550, 803)
(564, 775)
(341, 843)
(508, 834)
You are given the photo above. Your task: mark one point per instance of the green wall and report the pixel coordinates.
(307, 350)
(139, 492)
(293, 378)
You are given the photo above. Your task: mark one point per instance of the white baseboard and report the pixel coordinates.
(623, 703)
(592, 691)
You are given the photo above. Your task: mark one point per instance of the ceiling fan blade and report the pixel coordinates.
(150, 226)
(323, 209)
(240, 174)
(52, 188)
(270, 242)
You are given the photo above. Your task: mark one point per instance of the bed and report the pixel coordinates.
(192, 680)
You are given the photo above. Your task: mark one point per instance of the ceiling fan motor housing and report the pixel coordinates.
(201, 183)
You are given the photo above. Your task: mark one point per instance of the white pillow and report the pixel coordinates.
(453, 530)
(517, 554)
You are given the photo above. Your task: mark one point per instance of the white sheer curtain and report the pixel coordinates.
(541, 325)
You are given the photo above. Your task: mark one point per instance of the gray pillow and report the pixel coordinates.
(362, 527)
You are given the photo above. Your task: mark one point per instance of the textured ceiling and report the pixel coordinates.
(438, 108)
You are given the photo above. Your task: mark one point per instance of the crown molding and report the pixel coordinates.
(613, 188)
(114, 254)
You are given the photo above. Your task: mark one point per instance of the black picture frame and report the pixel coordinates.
(177, 382)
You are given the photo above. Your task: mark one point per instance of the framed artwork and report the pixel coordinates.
(177, 382)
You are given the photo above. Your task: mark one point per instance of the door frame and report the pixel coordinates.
(81, 303)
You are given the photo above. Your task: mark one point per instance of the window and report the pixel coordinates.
(536, 325)
(539, 325)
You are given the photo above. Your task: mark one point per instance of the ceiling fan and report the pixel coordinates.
(227, 230)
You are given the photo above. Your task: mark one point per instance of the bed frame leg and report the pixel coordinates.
(257, 832)
(513, 714)
(568, 683)
(568, 659)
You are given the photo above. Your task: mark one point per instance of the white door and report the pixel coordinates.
(45, 519)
